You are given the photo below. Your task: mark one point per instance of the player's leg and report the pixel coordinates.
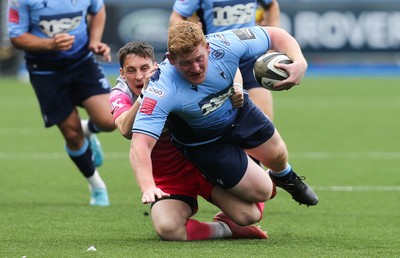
(257, 135)
(172, 216)
(92, 92)
(172, 222)
(238, 214)
(89, 131)
(225, 164)
(58, 108)
(99, 111)
(77, 147)
(169, 218)
(273, 154)
(255, 184)
(242, 212)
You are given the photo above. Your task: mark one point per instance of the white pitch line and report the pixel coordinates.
(361, 188)
(310, 155)
(345, 155)
(292, 155)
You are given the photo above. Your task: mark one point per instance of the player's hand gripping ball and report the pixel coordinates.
(265, 71)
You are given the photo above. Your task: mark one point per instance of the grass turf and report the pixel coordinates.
(342, 134)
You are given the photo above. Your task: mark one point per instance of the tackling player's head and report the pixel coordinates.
(188, 51)
(136, 59)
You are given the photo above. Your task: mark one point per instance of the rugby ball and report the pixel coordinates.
(265, 71)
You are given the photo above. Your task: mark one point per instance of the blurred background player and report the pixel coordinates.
(220, 15)
(173, 173)
(59, 38)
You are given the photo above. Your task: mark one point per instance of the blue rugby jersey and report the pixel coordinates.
(220, 15)
(46, 18)
(199, 113)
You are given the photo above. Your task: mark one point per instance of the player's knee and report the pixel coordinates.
(73, 138)
(262, 195)
(256, 186)
(257, 194)
(263, 190)
(247, 217)
(169, 231)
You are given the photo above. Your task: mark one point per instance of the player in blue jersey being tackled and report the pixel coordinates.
(220, 15)
(191, 93)
(60, 38)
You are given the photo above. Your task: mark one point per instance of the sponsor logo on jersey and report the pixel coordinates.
(156, 91)
(13, 16)
(222, 38)
(218, 54)
(214, 101)
(115, 105)
(244, 34)
(53, 24)
(147, 106)
(233, 12)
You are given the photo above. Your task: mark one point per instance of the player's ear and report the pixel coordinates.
(170, 59)
(121, 73)
(208, 48)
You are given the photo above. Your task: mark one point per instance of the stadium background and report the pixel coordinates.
(337, 37)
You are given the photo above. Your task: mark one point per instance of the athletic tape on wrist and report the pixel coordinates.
(140, 98)
(238, 84)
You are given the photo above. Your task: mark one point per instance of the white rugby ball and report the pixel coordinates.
(265, 71)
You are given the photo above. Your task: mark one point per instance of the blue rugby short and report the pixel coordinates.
(224, 161)
(59, 92)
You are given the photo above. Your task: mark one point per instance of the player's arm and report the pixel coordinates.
(96, 25)
(140, 159)
(125, 120)
(175, 17)
(19, 22)
(283, 42)
(32, 43)
(271, 15)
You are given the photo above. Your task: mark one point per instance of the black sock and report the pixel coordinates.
(83, 159)
(92, 127)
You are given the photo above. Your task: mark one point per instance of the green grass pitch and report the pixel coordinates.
(342, 133)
